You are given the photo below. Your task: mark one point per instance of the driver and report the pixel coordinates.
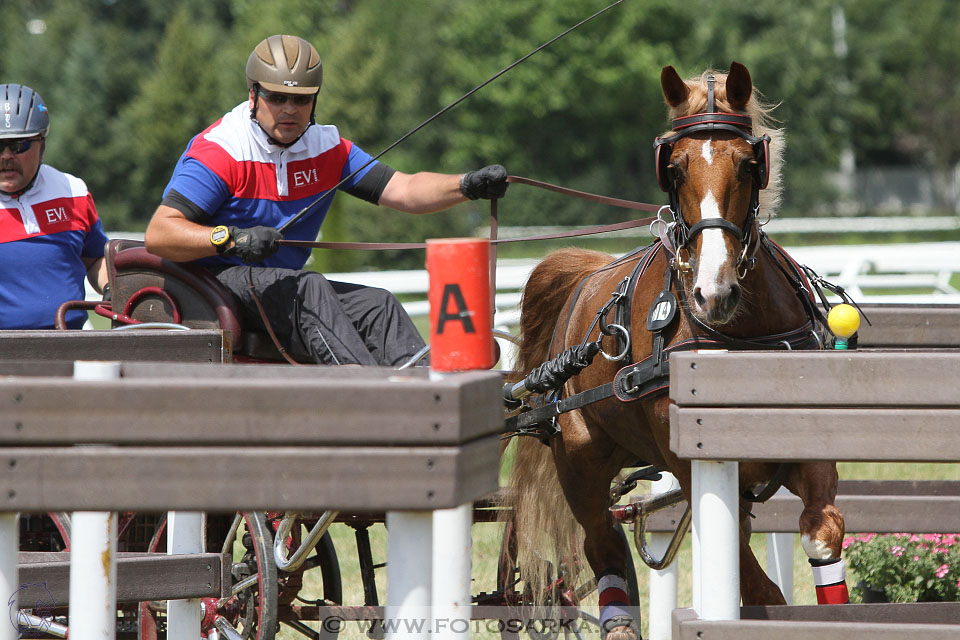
(50, 233)
(258, 166)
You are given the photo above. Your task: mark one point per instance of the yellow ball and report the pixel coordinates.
(844, 320)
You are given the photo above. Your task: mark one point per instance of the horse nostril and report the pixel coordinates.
(698, 297)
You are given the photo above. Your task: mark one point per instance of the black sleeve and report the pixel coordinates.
(370, 187)
(190, 211)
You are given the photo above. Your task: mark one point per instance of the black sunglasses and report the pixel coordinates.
(17, 145)
(279, 99)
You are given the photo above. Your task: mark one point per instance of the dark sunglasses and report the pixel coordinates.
(279, 99)
(17, 145)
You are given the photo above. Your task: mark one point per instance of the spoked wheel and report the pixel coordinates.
(313, 585)
(250, 612)
(518, 593)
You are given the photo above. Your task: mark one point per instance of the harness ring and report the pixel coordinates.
(626, 340)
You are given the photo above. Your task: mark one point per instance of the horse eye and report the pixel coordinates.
(747, 169)
(675, 173)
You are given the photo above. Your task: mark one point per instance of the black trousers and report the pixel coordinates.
(334, 322)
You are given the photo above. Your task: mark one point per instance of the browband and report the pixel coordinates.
(733, 119)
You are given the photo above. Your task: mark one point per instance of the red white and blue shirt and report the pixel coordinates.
(44, 235)
(231, 175)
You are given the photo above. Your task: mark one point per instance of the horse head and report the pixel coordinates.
(714, 164)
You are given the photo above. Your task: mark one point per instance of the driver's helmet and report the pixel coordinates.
(286, 64)
(22, 112)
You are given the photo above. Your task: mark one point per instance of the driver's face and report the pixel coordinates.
(284, 116)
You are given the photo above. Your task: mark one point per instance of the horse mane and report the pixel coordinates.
(763, 124)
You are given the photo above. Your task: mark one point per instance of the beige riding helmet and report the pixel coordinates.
(287, 64)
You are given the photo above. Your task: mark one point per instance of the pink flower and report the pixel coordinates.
(942, 571)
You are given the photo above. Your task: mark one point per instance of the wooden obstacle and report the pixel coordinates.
(869, 405)
(254, 437)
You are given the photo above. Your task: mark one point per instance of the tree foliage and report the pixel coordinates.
(129, 82)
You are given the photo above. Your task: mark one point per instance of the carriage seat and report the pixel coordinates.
(148, 288)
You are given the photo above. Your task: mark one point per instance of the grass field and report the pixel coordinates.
(487, 537)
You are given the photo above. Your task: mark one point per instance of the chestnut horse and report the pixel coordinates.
(713, 279)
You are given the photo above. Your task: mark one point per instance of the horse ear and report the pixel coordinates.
(739, 86)
(675, 90)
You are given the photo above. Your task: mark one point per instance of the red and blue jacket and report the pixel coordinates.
(232, 175)
(44, 235)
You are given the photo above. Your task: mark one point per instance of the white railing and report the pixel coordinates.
(907, 273)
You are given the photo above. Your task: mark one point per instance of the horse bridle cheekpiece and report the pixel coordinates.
(712, 120)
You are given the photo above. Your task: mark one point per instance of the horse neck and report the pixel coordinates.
(771, 304)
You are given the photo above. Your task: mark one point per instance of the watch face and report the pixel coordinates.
(219, 235)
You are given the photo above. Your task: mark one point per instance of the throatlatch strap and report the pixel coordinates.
(830, 579)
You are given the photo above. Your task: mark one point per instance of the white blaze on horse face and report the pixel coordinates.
(713, 251)
(707, 152)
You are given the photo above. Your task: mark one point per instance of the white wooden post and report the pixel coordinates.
(93, 575)
(9, 584)
(663, 583)
(715, 514)
(452, 564)
(780, 562)
(93, 550)
(409, 562)
(185, 534)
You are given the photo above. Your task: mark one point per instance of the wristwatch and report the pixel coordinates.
(220, 237)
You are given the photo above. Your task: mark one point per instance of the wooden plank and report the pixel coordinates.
(864, 514)
(906, 613)
(246, 478)
(944, 624)
(902, 325)
(816, 378)
(140, 344)
(243, 406)
(140, 576)
(796, 434)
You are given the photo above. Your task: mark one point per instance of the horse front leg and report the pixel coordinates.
(821, 528)
(756, 587)
(586, 463)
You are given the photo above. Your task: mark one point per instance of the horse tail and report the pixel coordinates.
(545, 528)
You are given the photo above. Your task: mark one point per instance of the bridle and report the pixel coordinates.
(741, 126)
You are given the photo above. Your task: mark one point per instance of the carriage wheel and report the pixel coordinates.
(294, 607)
(252, 610)
(508, 581)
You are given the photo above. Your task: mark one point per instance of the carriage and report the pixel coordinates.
(710, 279)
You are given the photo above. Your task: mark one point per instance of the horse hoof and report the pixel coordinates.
(621, 628)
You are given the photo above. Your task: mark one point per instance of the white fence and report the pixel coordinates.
(907, 273)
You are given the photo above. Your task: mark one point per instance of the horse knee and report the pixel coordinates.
(821, 532)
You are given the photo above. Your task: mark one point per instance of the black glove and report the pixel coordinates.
(255, 244)
(106, 293)
(489, 183)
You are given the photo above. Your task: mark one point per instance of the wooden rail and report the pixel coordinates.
(264, 437)
(848, 406)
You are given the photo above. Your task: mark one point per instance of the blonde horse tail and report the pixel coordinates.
(546, 531)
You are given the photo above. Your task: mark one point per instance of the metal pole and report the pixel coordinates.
(452, 565)
(663, 583)
(409, 562)
(780, 562)
(716, 500)
(93, 550)
(9, 584)
(185, 531)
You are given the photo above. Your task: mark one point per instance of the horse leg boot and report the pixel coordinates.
(821, 528)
